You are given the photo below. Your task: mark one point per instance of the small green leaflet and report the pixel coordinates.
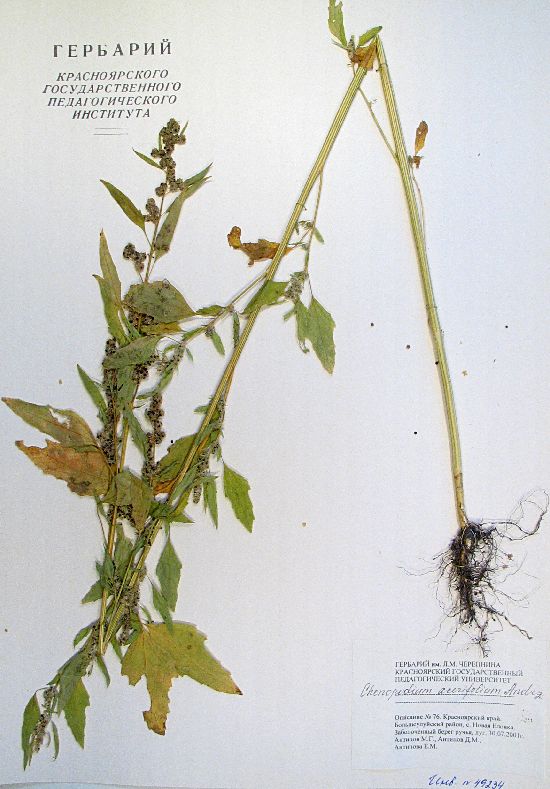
(68, 676)
(159, 299)
(168, 573)
(102, 666)
(212, 311)
(147, 159)
(136, 352)
(336, 22)
(123, 549)
(211, 498)
(170, 465)
(31, 716)
(235, 488)
(108, 268)
(75, 712)
(82, 633)
(216, 341)
(94, 391)
(126, 204)
(55, 740)
(109, 287)
(161, 604)
(316, 325)
(268, 294)
(137, 432)
(368, 36)
(93, 594)
(236, 328)
(166, 232)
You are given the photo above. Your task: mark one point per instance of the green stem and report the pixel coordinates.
(427, 288)
(227, 375)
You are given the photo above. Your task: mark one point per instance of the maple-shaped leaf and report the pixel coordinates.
(255, 251)
(160, 655)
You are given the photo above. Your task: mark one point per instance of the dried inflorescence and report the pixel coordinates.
(476, 564)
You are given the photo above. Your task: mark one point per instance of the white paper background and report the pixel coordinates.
(261, 82)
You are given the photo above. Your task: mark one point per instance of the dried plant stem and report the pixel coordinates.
(133, 574)
(427, 288)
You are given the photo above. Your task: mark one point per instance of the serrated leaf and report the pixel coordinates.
(86, 472)
(31, 716)
(94, 391)
(168, 228)
(68, 677)
(147, 159)
(320, 329)
(161, 605)
(211, 498)
(159, 299)
(136, 352)
(269, 293)
(368, 36)
(70, 431)
(336, 22)
(94, 593)
(127, 488)
(168, 572)
(235, 488)
(216, 341)
(169, 466)
(126, 204)
(160, 656)
(75, 711)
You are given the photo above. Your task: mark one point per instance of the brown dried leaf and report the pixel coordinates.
(70, 430)
(365, 56)
(255, 251)
(85, 471)
(420, 139)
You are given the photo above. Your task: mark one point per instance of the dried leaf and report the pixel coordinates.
(55, 740)
(336, 22)
(127, 488)
(216, 341)
(136, 352)
(160, 656)
(161, 300)
(147, 159)
(420, 138)
(75, 711)
(94, 391)
(168, 572)
(235, 488)
(139, 437)
(364, 57)
(301, 312)
(94, 593)
(71, 430)
(111, 309)
(161, 605)
(31, 716)
(212, 311)
(320, 328)
(211, 498)
(86, 472)
(126, 204)
(368, 36)
(108, 269)
(82, 633)
(269, 293)
(168, 228)
(259, 250)
(169, 466)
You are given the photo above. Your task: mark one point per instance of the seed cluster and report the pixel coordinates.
(154, 414)
(107, 435)
(296, 286)
(170, 136)
(130, 253)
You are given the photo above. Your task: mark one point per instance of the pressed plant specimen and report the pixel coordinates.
(152, 330)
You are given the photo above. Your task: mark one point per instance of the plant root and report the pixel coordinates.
(476, 564)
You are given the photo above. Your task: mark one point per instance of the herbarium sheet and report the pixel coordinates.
(275, 460)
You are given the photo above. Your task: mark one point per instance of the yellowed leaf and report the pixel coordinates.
(160, 655)
(365, 56)
(420, 139)
(85, 471)
(255, 251)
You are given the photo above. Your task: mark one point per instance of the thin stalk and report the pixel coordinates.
(227, 375)
(427, 288)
